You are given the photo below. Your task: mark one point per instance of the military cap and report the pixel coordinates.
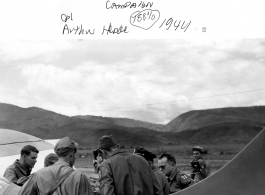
(106, 141)
(64, 146)
(199, 148)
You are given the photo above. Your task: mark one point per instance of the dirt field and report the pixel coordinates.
(217, 155)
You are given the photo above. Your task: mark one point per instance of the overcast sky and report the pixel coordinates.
(148, 80)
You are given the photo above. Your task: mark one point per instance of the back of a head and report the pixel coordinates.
(107, 142)
(66, 150)
(50, 159)
(64, 146)
(149, 156)
(26, 150)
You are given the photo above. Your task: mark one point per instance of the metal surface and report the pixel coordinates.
(243, 175)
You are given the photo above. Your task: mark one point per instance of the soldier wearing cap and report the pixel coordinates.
(59, 178)
(177, 179)
(203, 167)
(161, 183)
(123, 173)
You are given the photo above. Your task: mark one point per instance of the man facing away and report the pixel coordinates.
(177, 180)
(59, 178)
(162, 183)
(123, 173)
(19, 171)
(200, 167)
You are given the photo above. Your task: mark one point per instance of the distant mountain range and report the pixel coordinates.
(197, 119)
(214, 126)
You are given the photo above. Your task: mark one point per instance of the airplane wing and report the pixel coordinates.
(11, 143)
(243, 175)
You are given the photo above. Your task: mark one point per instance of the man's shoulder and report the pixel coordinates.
(10, 168)
(179, 175)
(122, 156)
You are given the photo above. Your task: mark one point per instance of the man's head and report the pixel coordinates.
(149, 156)
(28, 156)
(166, 163)
(50, 159)
(107, 144)
(66, 149)
(197, 152)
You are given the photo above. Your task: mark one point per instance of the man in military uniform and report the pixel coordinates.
(123, 173)
(162, 183)
(60, 178)
(203, 167)
(19, 171)
(177, 180)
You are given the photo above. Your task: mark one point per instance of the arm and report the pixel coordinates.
(106, 181)
(10, 175)
(205, 169)
(158, 189)
(186, 181)
(85, 187)
(23, 180)
(30, 187)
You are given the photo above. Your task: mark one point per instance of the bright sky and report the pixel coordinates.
(148, 80)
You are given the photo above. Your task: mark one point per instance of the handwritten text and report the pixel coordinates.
(128, 4)
(176, 24)
(111, 30)
(144, 19)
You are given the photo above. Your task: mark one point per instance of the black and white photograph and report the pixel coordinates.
(132, 98)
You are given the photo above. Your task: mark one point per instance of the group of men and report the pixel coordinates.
(120, 172)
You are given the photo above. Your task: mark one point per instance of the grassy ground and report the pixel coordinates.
(217, 155)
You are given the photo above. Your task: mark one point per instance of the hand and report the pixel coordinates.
(201, 163)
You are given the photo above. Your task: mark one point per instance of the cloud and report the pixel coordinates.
(152, 80)
(13, 50)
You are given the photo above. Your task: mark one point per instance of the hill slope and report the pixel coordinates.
(50, 125)
(216, 126)
(123, 122)
(192, 120)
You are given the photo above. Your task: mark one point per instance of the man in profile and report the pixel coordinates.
(19, 171)
(122, 172)
(60, 178)
(162, 183)
(177, 180)
(200, 167)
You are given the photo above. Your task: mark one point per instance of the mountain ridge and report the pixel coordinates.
(228, 126)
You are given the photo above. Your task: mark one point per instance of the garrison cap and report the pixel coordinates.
(64, 146)
(198, 148)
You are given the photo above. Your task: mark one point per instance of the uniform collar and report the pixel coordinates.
(116, 152)
(23, 169)
(174, 173)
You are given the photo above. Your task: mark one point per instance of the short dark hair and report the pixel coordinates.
(169, 157)
(28, 149)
